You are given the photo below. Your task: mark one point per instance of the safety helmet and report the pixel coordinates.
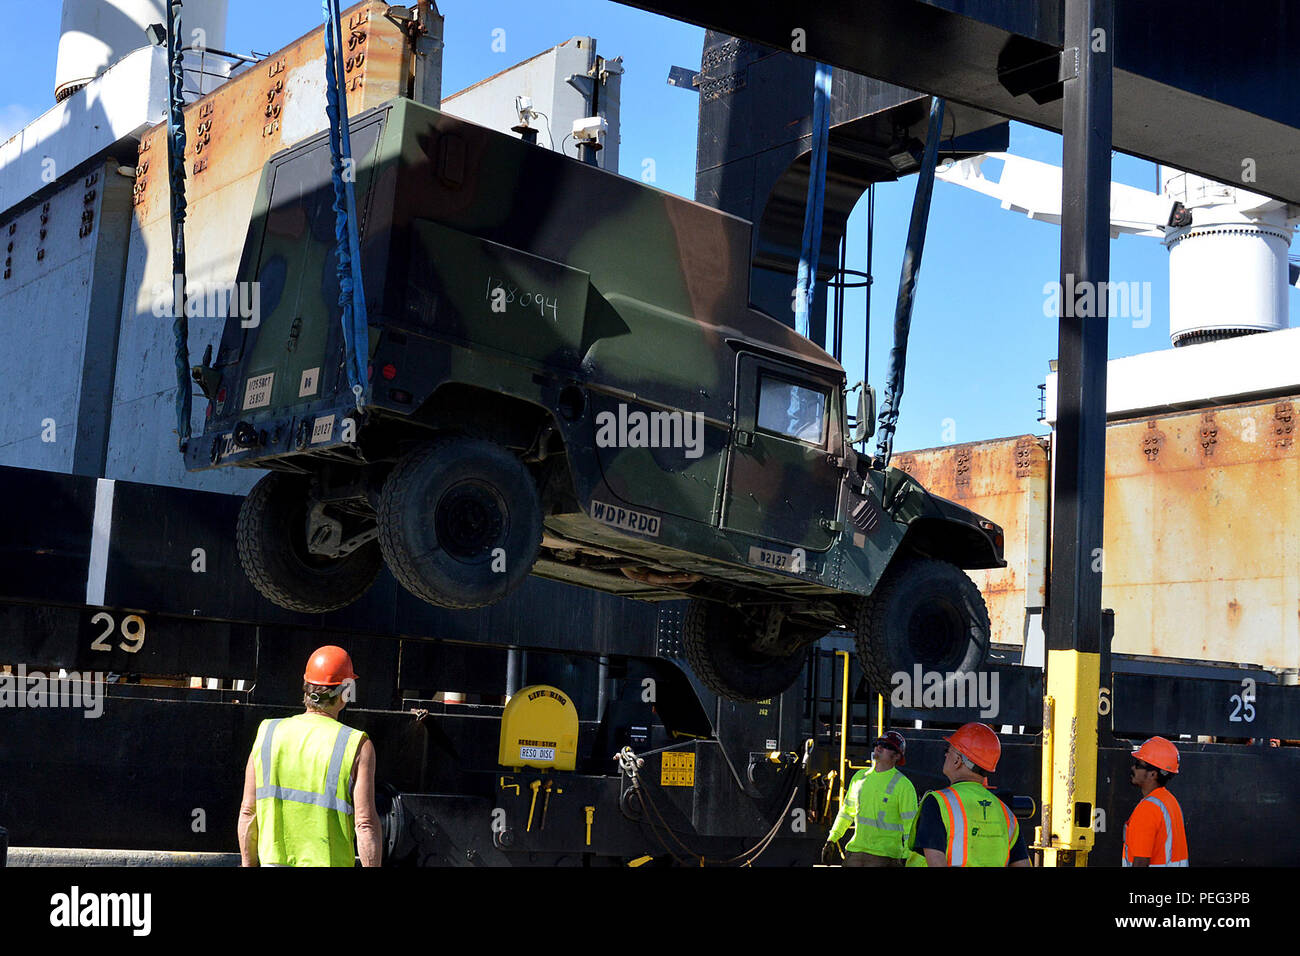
(329, 666)
(894, 740)
(1159, 753)
(978, 744)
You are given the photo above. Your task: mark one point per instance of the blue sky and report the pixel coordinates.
(980, 341)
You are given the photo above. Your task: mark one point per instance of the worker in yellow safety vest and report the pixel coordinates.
(965, 824)
(310, 780)
(879, 804)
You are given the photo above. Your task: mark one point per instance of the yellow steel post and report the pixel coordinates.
(1045, 783)
(1070, 757)
(880, 716)
(844, 725)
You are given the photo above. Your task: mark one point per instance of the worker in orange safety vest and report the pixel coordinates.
(1154, 834)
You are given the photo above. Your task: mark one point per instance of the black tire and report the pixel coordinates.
(272, 540)
(924, 611)
(446, 508)
(719, 649)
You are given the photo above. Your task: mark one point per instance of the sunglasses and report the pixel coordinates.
(1139, 765)
(887, 745)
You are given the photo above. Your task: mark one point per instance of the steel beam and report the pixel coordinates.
(1074, 638)
(1202, 85)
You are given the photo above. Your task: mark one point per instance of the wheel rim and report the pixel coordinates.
(937, 634)
(470, 520)
(740, 644)
(299, 526)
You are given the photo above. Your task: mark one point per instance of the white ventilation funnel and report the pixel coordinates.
(1228, 269)
(95, 34)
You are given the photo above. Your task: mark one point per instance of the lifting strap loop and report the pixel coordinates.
(352, 298)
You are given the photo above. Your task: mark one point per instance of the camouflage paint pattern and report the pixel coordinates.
(513, 273)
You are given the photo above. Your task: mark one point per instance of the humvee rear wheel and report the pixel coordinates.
(460, 522)
(924, 611)
(271, 537)
(719, 647)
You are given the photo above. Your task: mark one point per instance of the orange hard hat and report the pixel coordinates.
(329, 666)
(1159, 753)
(977, 743)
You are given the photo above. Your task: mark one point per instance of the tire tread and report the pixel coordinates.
(257, 527)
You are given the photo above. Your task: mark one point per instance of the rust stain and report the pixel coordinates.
(1201, 537)
(1006, 481)
(961, 474)
(1283, 425)
(1152, 441)
(1024, 455)
(234, 130)
(1209, 434)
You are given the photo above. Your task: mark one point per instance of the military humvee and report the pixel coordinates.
(566, 379)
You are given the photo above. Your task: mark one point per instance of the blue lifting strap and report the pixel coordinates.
(907, 284)
(805, 282)
(352, 297)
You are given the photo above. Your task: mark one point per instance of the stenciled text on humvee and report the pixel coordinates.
(566, 379)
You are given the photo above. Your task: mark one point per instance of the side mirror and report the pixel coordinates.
(865, 426)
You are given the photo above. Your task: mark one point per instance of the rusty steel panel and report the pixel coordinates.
(1201, 554)
(233, 131)
(1006, 480)
(1201, 557)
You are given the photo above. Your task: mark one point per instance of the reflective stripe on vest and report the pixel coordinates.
(957, 821)
(1169, 836)
(1013, 828)
(329, 799)
(878, 822)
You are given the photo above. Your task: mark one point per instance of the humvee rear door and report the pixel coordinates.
(786, 456)
(293, 354)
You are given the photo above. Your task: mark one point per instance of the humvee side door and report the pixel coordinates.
(786, 462)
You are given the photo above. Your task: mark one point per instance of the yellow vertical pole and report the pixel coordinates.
(1070, 757)
(880, 716)
(844, 722)
(1043, 834)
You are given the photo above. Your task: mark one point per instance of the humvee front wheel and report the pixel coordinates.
(720, 649)
(460, 522)
(271, 537)
(924, 611)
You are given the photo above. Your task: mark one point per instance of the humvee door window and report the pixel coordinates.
(791, 410)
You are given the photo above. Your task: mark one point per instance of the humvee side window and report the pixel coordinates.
(794, 411)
